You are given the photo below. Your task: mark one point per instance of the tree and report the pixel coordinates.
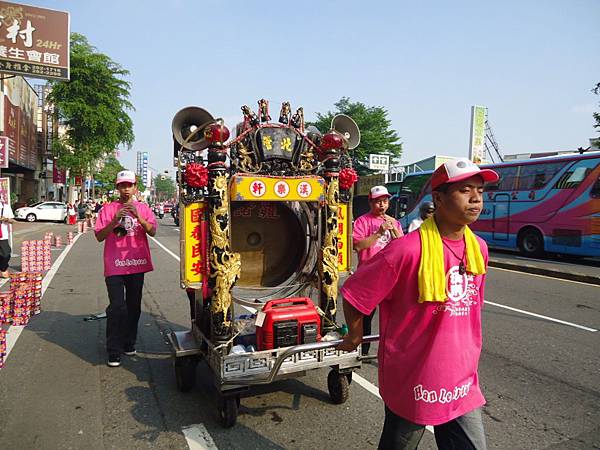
(108, 174)
(93, 105)
(376, 136)
(596, 91)
(164, 187)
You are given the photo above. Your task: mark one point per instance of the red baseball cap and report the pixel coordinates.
(458, 170)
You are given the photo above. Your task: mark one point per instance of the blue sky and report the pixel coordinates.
(532, 63)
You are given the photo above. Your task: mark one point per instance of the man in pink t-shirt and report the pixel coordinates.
(429, 351)
(123, 226)
(371, 232)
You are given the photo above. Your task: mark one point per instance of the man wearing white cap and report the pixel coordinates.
(371, 233)
(429, 289)
(123, 226)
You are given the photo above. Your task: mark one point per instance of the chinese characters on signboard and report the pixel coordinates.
(34, 42)
(477, 140)
(343, 234)
(276, 143)
(19, 111)
(194, 244)
(3, 152)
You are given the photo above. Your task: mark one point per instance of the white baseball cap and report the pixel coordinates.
(125, 176)
(458, 170)
(378, 191)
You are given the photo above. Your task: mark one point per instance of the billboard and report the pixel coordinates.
(379, 162)
(477, 139)
(20, 109)
(34, 42)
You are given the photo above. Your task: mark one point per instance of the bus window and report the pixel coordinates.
(507, 180)
(411, 188)
(536, 176)
(576, 174)
(595, 192)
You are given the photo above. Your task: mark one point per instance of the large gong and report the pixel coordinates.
(271, 239)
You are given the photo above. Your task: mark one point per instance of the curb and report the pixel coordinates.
(527, 268)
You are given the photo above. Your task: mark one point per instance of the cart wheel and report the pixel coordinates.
(338, 385)
(228, 410)
(185, 373)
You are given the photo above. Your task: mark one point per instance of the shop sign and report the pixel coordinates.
(4, 141)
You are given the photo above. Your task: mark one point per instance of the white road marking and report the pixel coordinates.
(551, 319)
(198, 437)
(14, 332)
(176, 229)
(544, 276)
(165, 248)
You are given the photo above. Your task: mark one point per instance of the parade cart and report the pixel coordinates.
(265, 220)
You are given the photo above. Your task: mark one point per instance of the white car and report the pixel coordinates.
(54, 211)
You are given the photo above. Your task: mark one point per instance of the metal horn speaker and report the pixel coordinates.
(188, 121)
(345, 126)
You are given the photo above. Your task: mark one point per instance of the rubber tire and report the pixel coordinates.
(228, 410)
(185, 373)
(531, 243)
(338, 386)
(31, 217)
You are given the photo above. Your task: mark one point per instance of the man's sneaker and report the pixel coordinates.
(130, 351)
(114, 360)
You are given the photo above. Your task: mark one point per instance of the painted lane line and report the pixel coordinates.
(550, 319)
(544, 276)
(14, 332)
(198, 437)
(165, 248)
(176, 229)
(362, 382)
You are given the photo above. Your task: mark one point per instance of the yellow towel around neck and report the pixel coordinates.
(432, 274)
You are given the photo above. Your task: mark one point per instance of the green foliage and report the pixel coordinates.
(376, 136)
(108, 174)
(93, 105)
(164, 187)
(596, 91)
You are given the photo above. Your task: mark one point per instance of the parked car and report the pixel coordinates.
(168, 207)
(55, 211)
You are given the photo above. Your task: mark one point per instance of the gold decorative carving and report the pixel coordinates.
(245, 160)
(329, 266)
(225, 265)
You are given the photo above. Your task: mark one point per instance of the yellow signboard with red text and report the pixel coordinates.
(193, 245)
(268, 189)
(344, 238)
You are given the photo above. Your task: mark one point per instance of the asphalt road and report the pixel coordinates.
(540, 376)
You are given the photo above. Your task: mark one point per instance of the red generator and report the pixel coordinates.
(286, 322)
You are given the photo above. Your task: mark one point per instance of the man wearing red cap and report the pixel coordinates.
(123, 226)
(429, 287)
(370, 234)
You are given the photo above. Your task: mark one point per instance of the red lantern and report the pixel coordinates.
(331, 141)
(348, 177)
(216, 133)
(196, 175)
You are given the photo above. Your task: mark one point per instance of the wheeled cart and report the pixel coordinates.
(265, 218)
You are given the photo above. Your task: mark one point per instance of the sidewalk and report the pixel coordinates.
(56, 390)
(583, 270)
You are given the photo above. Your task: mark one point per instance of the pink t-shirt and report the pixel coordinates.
(131, 253)
(365, 226)
(428, 352)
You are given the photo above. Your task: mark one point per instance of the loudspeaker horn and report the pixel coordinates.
(188, 121)
(345, 126)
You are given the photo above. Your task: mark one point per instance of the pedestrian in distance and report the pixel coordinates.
(6, 219)
(371, 233)
(71, 214)
(429, 287)
(123, 226)
(426, 210)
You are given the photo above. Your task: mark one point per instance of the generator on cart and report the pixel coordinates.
(265, 222)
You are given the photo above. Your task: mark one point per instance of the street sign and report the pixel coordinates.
(379, 162)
